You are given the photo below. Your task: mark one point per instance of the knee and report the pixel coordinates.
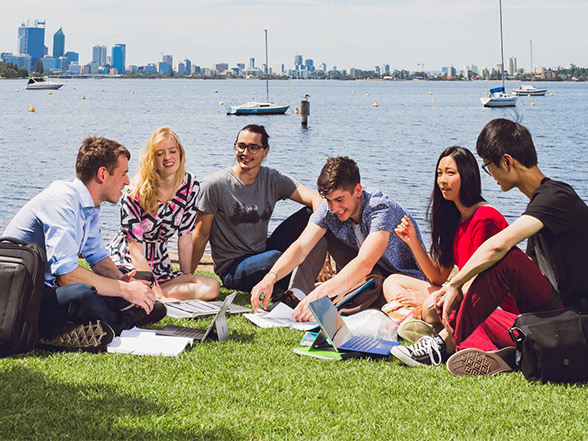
(210, 289)
(392, 286)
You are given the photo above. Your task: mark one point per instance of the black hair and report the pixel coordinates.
(443, 214)
(502, 136)
(256, 128)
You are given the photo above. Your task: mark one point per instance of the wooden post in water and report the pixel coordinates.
(304, 111)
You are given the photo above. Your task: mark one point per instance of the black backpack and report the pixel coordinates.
(22, 268)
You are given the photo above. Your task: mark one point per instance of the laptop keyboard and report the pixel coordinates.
(361, 343)
(194, 306)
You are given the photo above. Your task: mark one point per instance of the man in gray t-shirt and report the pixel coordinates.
(234, 210)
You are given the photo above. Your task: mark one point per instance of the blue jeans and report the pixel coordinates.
(247, 271)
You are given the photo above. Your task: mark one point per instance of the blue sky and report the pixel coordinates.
(345, 33)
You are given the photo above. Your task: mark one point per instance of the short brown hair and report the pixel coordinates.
(339, 172)
(95, 153)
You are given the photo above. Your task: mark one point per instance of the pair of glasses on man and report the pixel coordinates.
(253, 148)
(485, 167)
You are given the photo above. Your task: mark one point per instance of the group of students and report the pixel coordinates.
(365, 232)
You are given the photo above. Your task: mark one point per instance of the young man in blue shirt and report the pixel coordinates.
(64, 221)
(358, 228)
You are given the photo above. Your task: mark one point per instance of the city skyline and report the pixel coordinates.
(342, 33)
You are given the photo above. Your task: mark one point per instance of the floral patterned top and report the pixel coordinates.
(178, 215)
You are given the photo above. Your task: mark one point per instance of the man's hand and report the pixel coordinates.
(139, 294)
(302, 312)
(263, 291)
(447, 299)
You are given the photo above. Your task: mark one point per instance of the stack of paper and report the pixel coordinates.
(138, 341)
(280, 316)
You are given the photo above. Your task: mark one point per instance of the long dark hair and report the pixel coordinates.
(443, 214)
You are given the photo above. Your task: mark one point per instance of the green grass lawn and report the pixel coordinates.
(253, 387)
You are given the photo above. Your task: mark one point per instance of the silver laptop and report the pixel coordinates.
(335, 331)
(200, 308)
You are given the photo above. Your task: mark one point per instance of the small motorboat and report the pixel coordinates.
(38, 83)
(256, 108)
(528, 90)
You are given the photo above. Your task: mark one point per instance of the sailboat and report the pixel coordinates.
(260, 108)
(526, 89)
(498, 97)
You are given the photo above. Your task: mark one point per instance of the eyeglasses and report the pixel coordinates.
(253, 148)
(485, 167)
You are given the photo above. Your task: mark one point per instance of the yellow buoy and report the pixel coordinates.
(353, 91)
(396, 90)
(532, 104)
(288, 88)
(367, 94)
(375, 104)
(83, 97)
(221, 104)
(17, 90)
(102, 90)
(434, 100)
(551, 94)
(31, 109)
(579, 93)
(132, 91)
(430, 93)
(293, 90)
(50, 93)
(254, 93)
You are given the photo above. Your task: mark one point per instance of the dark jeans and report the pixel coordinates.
(247, 271)
(79, 303)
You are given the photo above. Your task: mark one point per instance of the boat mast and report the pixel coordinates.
(266, 70)
(531, 49)
(501, 43)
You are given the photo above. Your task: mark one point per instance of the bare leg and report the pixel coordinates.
(407, 290)
(191, 286)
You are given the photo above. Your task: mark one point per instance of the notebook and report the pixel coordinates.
(335, 332)
(219, 321)
(199, 308)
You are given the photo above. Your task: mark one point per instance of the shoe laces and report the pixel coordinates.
(427, 345)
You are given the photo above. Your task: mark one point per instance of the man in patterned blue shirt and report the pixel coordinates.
(358, 227)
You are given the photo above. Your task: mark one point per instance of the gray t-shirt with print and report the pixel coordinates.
(241, 212)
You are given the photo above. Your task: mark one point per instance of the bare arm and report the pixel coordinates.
(436, 273)
(133, 291)
(138, 255)
(185, 248)
(370, 252)
(290, 259)
(200, 237)
(306, 196)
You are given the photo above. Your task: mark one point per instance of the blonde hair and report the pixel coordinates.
(147, 180)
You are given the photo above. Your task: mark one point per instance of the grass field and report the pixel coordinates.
(253, 387)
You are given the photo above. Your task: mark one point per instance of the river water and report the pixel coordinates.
(396, 144)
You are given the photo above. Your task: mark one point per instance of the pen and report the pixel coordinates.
(433, 304)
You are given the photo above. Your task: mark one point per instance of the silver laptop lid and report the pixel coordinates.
(330, 321)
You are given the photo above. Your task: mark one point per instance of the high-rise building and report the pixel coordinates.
(188, 64)
(298, 61)
(31, 40)
(512, 65)
(221, 67)
(119, 54)
(169, 59)
(99, 55)
(309, 64)
(252, 63)
(58, 44)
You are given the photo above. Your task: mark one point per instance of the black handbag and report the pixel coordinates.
(552, 345)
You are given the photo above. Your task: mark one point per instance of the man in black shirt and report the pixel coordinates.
(551, 276)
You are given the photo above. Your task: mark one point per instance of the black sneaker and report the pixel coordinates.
(427, 351)
(71, 337)
(136, 316)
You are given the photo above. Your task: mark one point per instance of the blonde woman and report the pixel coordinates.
(160, 204)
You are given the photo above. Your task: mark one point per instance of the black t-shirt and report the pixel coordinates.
(561, 246)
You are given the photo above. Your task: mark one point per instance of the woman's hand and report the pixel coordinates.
(405, 230)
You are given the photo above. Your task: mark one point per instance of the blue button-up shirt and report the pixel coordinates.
(378, 212)
(63, 220)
